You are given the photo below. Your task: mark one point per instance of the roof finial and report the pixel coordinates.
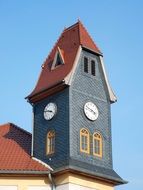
(78, 19)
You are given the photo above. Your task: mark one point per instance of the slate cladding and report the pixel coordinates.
(84, 88)
(60, 124)
(70, 119)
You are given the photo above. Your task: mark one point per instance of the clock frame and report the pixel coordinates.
(91, 111)
(50, 111)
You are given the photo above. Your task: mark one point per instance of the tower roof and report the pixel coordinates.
(68, 43)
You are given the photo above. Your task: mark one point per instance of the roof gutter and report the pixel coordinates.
(34, 98)
(23, 172)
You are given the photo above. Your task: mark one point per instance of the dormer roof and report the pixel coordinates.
(58, 59)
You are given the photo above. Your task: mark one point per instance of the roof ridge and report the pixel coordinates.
(70, 27)
(17, 127)
(80, 24)
(21, 129)
(5, 124)
(79, 32)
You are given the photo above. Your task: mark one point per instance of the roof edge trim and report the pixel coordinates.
(43, 163)
(30, 97)
(112, 96)
(115, 181)
(17, 127)
(69, 77)
(92, 51)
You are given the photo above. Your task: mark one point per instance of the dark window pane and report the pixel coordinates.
(93, 68)
(58, 62)
(85, 65)
(96, 146)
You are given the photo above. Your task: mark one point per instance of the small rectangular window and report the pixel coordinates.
(50, 149)
(85, 65)
(93, 71)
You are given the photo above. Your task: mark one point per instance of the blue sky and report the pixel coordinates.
(29, 29)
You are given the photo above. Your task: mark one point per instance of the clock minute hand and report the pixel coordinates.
(90, 110)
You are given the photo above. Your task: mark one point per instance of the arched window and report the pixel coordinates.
(93, 71)
(97, 144)
(50, 149)
(85, 65)
(84, 140)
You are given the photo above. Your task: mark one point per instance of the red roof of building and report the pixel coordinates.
(15, 150)
(69, 42)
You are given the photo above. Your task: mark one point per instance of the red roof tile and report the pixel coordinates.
(69, 42)
(15, 149)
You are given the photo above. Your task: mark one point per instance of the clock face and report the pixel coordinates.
(91, 111)
(49, 111)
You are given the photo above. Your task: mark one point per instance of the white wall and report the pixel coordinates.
(71, 186)
(39, 187)
(9, 187)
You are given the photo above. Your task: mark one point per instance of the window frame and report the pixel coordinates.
(100, 140)
(50, 142)
(89, 70)
(86, 135)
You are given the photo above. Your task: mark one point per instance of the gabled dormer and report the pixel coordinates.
(58, 59)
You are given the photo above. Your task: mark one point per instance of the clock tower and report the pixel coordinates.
(72, 114)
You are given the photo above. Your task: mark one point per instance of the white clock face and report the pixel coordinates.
(49, 111)
(91, 111)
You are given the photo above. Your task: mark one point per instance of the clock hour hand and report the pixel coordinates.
(48, 111)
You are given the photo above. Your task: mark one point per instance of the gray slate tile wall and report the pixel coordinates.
(84, 88)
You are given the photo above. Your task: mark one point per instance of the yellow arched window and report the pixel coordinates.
(50, 149)
(97, 144)
(84, 141)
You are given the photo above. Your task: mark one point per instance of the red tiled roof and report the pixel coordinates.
(69, 42)
(15, 149)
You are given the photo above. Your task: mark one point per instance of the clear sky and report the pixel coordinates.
(29, 29)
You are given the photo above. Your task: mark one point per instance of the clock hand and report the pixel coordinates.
(48, 111)
(91, 110)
